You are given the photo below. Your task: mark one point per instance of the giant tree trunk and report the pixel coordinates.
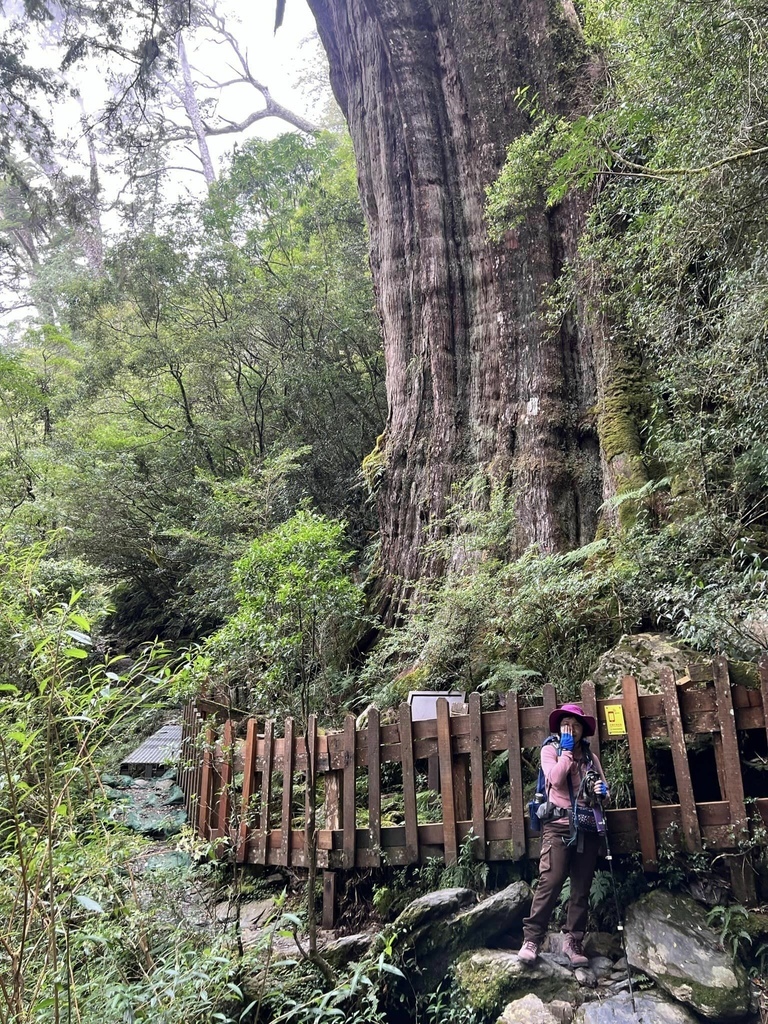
(475, 378)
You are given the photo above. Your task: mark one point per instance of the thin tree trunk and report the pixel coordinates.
(91, 237)
(192, 108)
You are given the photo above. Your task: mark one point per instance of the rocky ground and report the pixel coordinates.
(151, 807)
(674, 969)
(680, 973)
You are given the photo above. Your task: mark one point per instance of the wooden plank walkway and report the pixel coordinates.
(157, 753)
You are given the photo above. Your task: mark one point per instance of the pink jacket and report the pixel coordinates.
(557, 769)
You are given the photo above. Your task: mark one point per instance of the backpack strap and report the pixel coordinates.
(547, 785)
(574, 821)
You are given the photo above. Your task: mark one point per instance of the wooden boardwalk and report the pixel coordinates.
(263, 821)
(158, 752)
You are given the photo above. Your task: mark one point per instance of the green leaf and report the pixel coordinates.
(391, 969)
(89, 904)
(81, 638)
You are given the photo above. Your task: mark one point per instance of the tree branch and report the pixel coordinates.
(272, 109)
(670, 172)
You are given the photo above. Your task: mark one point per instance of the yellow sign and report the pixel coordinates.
(614, 720)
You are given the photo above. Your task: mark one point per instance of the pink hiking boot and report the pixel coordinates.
(528, 952)
(574, 950)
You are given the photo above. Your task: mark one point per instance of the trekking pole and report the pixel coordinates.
(619, 922)
(587, 790)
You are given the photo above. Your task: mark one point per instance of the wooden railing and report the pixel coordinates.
(263, 820)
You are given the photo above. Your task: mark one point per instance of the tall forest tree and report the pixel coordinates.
(477, 379)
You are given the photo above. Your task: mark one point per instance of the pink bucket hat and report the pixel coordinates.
(577, 712)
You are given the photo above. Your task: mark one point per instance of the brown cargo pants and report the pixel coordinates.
(557, 862)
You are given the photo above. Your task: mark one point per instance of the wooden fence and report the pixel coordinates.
(262, 819)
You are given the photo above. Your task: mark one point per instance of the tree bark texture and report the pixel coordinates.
(475, 378)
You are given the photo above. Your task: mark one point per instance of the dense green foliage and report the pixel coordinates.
(286, 649)
(163, 422)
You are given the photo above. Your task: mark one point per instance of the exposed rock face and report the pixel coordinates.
(476, 379)
(669, 939)
(347, 949)
(650, 1008)
(252, 919)
(435, 906)
(501, 912)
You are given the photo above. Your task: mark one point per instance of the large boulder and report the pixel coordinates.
(490, 978)
(649, 1008)
(502, 912)
(669, 939)
(427, 910)
(641, 655)
(347, 949)
(437, 928)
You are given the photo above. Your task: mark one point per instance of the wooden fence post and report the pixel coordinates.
(374, 785)
(409, 786)
(742, 875)
(639, 774)
(688, 815)
(249, 782)
(310, 824)
(478, 775)
(450, 840)
(763, 667)
(517, 810)
(283, 856)
(329, 899)
(549, 700)
(262, 845)
(589, 703)
(224, 772)
(349, 822)
(333, 803)
(206, 785)
(197, 783)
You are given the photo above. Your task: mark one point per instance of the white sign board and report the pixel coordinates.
(424, 702)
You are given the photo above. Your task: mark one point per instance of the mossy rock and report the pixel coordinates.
(642, 655)
(436, 929)
(488, 979)
(418, 677)
(669, 939)
(755, 924)
(174, 796)
(427, 911)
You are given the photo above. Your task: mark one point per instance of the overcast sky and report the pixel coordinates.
(276, 59)
(277, 53)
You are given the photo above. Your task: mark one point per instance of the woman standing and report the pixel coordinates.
(572, 838)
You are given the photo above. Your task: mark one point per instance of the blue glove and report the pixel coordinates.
(601, 789)
(566, 741)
